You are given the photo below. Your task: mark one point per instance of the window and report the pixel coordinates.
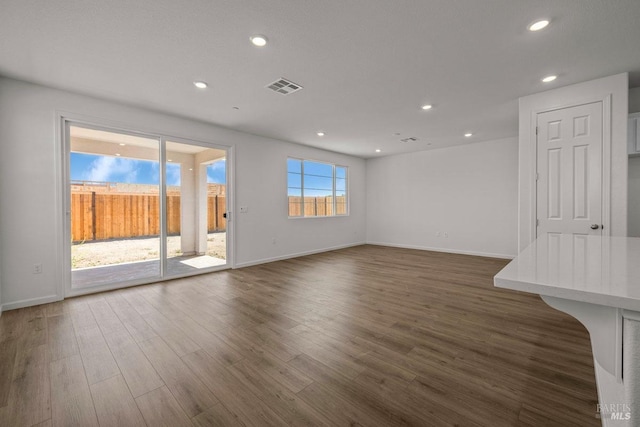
(316, 189)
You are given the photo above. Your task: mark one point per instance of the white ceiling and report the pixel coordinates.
(366, 65)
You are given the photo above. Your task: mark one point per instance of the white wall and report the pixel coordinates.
(469, 192)
(31, 210)
(614, 89)
(634, 174)
(263, 189)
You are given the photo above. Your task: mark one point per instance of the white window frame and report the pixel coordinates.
(333, 189)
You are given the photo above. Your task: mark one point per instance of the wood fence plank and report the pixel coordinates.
(134, 215)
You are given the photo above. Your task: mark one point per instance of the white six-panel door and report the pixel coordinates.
(569, 166)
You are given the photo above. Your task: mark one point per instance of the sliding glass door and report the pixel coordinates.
(142, 208)
(115, 207)
(196, 207)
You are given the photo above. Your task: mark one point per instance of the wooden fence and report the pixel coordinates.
(216, 207)
(96, 216)
(317, 206)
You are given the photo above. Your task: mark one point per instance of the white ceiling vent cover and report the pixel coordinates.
(412, 139)
(284, 86)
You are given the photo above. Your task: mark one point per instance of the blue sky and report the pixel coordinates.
(92, 167)
(318, 179)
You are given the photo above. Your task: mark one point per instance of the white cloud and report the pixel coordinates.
(112, 169)
(155, 172)
(173, 174)
(216, 171)
(218, 165)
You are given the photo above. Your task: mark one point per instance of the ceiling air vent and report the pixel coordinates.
(411, 139)
(284, 86)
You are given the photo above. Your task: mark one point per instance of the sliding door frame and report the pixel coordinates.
(63, 123)
(229, 199)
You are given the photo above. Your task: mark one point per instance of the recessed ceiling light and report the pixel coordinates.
(538, 25)
(258, 40)
(427, 107)
(549, 79)
(201, 85)
(468, 134)
(122, 144)
(320, 133)
(378, 150)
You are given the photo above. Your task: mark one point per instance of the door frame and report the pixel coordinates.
(63, 120)
(606, 162)
(230, 223)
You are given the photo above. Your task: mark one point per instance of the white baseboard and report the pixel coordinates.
(447, 250)
(296, 255)
(30, 302)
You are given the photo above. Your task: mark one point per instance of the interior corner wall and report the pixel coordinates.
(634, 175)
(0, 278)
(617, 88)
(30, 181)
(634, 100)
(469, 192)
(634, 197)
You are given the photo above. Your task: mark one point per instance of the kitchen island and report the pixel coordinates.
(595, 279)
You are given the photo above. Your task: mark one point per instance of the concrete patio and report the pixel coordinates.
(102, 275)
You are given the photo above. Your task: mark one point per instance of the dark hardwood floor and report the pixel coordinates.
(368, 335)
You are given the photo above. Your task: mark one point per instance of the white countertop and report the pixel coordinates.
(593, 269)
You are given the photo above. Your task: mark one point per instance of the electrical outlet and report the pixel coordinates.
(437, 234)
(446, 234)
(37, 268)
(244, 209)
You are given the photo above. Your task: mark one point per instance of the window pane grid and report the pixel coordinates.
(319, 176)
(316, 189)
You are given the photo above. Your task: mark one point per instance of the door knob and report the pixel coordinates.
(594, 226)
